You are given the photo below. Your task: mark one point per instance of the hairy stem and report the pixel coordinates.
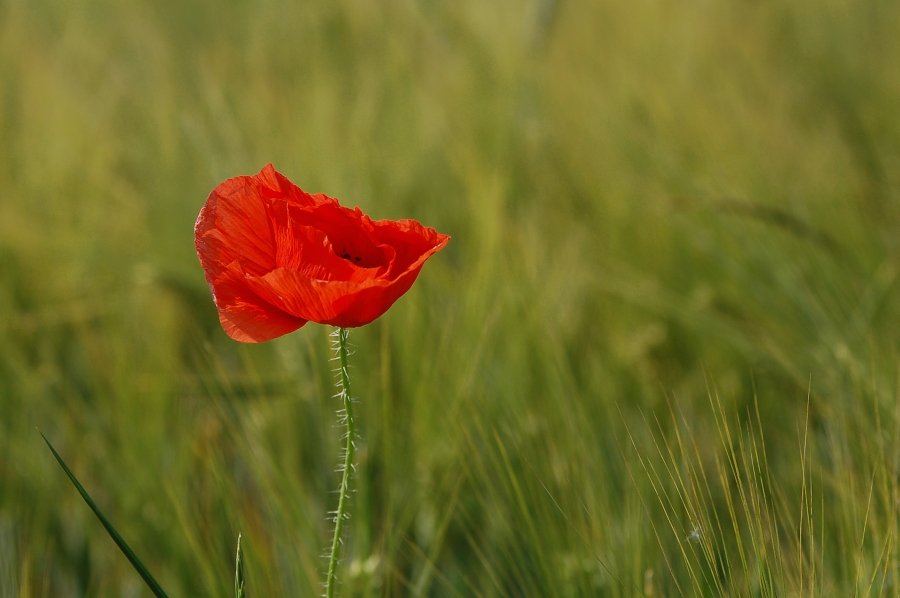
(347, 467)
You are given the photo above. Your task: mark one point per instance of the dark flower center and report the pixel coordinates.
(359, 256)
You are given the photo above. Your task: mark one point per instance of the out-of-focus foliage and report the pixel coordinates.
(651, 204)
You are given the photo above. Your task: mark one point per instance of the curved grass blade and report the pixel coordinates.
(126, 550)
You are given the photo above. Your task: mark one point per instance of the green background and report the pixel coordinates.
(658, 357)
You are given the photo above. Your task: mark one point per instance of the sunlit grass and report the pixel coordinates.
(669, 304)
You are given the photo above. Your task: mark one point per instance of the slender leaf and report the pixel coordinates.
(239, 572)
(123, 546)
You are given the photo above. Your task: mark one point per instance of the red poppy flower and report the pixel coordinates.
(276, 257)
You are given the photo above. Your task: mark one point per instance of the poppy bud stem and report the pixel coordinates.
(341, 513)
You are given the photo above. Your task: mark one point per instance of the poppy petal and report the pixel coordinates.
(413, 242)
(301, 296)
(244, 315)
(348, 233)
(308, 249)
(372, 302)
(271, 184)
(233, 224)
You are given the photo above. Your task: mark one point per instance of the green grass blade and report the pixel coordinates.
(239, 571)
(123, 546)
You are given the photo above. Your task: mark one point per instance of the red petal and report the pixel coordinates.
(338, 303)
(413, 242)
(370, 303)
(349, 233)
(300, 295)
(305, 248)
(272, 184)
(233, 225)
(244, 315)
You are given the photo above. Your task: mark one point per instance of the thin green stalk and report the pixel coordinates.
(341, 513)
(239, 572)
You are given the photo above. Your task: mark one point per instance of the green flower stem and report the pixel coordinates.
(341, 513)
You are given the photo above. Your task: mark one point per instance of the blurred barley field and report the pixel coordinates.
(658, 358)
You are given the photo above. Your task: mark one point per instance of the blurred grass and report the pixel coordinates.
(674, 228)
